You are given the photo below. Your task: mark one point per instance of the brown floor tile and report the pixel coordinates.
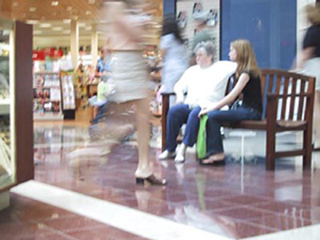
(70, 224)
(241, 213)
(246, 199)
(22, 230)
(106, 233)
(245, 230)
(280, 222)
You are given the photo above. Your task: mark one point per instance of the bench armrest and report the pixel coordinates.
(164, 94)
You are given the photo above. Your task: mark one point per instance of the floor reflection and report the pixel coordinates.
(238, 200)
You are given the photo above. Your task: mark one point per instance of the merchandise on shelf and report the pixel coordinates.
(68, 92)
(47, 95)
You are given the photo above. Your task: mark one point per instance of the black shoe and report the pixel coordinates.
(152, 180)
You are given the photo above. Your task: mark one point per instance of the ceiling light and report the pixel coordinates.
(37, 32)
(54, 3)
(88, 28)
(88, 12)
(66, 31)
(66, 20)
(32, 22)
(57, 28)
(45, 25)
(69, 8)
(81, 24)
(92, 1)
(32, 9)
(15, 4)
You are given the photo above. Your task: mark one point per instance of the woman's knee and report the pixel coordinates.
(173, 113)
(194, 114)
(214, 115)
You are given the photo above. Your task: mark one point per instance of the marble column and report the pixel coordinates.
(74, 43)
(94, 45)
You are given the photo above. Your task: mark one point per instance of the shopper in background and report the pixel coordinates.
(173, 55)
(104, 65)
(249, 84)
(204, 84)
(130, 75)
(200, 35)
(309, 63)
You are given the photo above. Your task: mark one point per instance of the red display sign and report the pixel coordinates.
(47, 52)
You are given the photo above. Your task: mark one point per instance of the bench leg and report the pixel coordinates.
(165, 110)
(307, 145)
(270, 150)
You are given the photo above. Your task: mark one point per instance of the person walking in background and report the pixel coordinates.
(104, 64)
(309, 63)
(204, 84)
(249, 84)
(130, 75)
(173, 55)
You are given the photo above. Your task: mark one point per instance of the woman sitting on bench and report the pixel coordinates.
(248, 83)
(205, 84)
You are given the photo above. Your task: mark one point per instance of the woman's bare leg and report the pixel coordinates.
(144, 168)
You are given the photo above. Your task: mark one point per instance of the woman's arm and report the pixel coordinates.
(305, 55)
(242, 82)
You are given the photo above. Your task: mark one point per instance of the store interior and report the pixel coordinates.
(56, 183)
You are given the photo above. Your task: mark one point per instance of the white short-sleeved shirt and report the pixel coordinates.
(206, 86)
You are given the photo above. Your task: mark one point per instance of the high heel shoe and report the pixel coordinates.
(152, 180)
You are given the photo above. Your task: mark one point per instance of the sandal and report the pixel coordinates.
(216, 160)
(214, 163)
(152, 180)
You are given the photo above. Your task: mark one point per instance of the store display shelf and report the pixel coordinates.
(5, 180)
(45, 100)
(46, 72)
(48, 116)
(46, 87)
(4, 106)
(5, 101)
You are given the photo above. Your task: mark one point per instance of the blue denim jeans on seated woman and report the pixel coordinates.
(215, 118)
(177, 116)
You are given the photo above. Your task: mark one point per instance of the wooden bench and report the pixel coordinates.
(287, 100)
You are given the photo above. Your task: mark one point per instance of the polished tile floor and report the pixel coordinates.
(232, 202)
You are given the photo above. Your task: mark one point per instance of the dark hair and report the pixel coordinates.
(170, 26)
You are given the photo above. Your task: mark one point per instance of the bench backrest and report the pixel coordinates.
(294, 91)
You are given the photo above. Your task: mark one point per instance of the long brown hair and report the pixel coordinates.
(245, 57)
(313, 13)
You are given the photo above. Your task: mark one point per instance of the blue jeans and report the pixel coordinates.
(215, 118)
(177, 116)
(100, 114)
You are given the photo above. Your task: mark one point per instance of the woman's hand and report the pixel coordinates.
(203, 112)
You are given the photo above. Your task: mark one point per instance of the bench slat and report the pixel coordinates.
(301, 100)
(290, 153)
(292, 98)
(284, 100)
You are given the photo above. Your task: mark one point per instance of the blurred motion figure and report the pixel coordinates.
(130, 75)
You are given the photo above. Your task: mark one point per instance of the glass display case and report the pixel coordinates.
(7, 130)
(16, 95)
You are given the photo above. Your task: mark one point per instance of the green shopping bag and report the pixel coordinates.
(201, 140)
